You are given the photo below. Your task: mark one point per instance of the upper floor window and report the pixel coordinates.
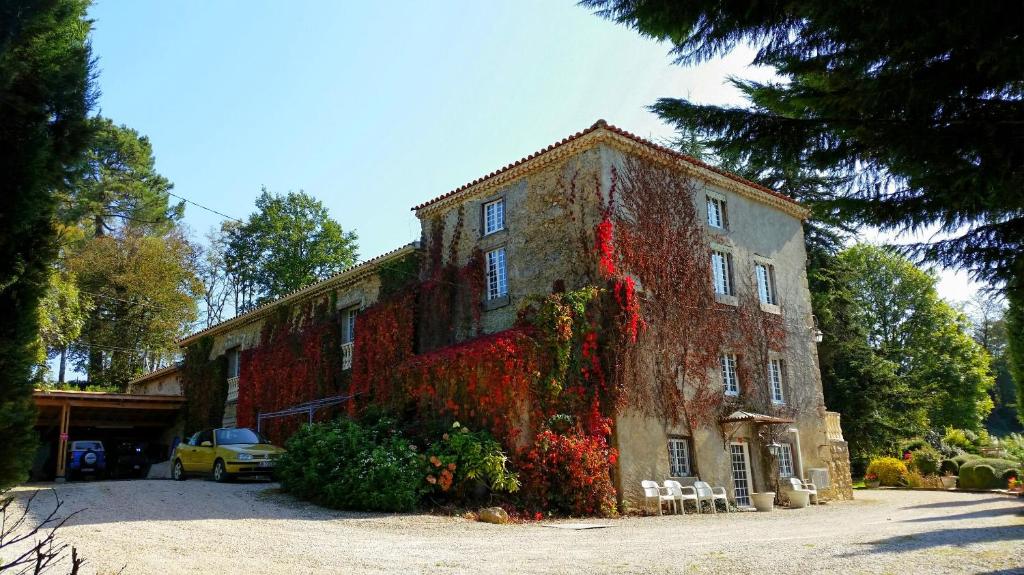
(348, 325)
(775, 380)
(679, 458)
(730, 379)
(716, 211)
(497, 277)
(721, 271)
(494, 216)
(766, 283)
(784, 456)
(234, 362)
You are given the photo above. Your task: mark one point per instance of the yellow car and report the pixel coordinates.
(225, 453)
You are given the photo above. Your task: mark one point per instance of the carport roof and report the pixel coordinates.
(91, 408)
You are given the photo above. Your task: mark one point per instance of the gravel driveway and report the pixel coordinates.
(198, 526)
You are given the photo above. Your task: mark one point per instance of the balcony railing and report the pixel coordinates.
(232, 389)
(346, 355)
(832, 427)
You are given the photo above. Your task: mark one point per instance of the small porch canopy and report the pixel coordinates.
(740, 416)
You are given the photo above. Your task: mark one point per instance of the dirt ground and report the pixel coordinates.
(197, 526)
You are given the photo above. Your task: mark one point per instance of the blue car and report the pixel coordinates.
(86, 458)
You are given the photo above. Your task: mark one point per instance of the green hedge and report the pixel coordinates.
(949, 466)
(345, 465)
(986, 473)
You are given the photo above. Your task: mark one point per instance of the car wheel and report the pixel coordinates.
(220, 473)
(178, 471)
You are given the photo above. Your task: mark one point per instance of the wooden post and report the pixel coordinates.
(62, 442)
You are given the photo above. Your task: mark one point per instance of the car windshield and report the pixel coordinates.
(83, 445)
(238, 436)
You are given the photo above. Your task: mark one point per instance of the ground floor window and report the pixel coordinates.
(784, 455)
(679, 457)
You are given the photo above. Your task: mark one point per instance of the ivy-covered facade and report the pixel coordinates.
(609, 310)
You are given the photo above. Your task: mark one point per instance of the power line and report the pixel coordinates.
(198, 205)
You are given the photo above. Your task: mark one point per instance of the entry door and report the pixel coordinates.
(740, 473)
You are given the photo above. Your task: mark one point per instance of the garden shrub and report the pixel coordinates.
(462, 460)
(949, 467)
(964, 458)
(889, 470)
(926, 460)
(1009, 474)
(345, 465)
(957, 438)
(985, 473)
(1014, 446)
(912, 445)
(569, 472)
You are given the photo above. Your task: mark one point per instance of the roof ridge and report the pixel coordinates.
(602, 124)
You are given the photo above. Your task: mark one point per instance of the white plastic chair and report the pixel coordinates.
(681, 495)
(797, 484)
(711, 494)
(657, 493)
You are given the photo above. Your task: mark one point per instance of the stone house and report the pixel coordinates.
(526, 227)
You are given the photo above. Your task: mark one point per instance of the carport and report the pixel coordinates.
(73, 415)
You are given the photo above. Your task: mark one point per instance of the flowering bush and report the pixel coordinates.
(462, 460)
(889, 470)
(568, 472)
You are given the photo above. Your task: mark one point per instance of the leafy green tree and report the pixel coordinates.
(290, 242)
(62, 314)
(116, 185)
(917, 108)
(988, 315)
(45, 94)
(144, 289)
(895, 359)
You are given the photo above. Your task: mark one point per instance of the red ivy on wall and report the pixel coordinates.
(384, 339)
(297, 360)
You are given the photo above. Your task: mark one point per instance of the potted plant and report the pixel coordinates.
(1014, 486)
(871, 481)
(948, 480)
(763, 501)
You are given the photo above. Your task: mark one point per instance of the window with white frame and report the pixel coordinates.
(775, 380)
(765, 282)
(497, 277)
(494, 216)
(679, 458)
(730, 379)
(784, 457)
(234, 362)
(721, 272)
(716, 211)
(348, 325)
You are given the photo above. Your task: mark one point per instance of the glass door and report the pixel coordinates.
(740, 474)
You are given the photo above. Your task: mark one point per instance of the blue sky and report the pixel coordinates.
(374, 107)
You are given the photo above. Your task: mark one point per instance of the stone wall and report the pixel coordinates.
(839, 471)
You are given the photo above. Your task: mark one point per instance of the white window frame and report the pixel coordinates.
(496, 223)
(716, 208)
(784, 457)
(680, 464)
(721, 272)
(730, 377)
(234, 356)
(348, 328)
(497, 273)
(764, 271)
(775, 381)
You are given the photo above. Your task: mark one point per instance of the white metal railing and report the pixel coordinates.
(232, 389)
(832, 427)
(346, 355)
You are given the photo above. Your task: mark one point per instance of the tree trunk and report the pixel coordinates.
(63, 365)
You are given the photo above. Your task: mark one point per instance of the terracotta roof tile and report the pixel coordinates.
(603, 125)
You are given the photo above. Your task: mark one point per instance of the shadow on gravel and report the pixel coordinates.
(957, 503)
(102, 502)
(982, 514)
(941, 538)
